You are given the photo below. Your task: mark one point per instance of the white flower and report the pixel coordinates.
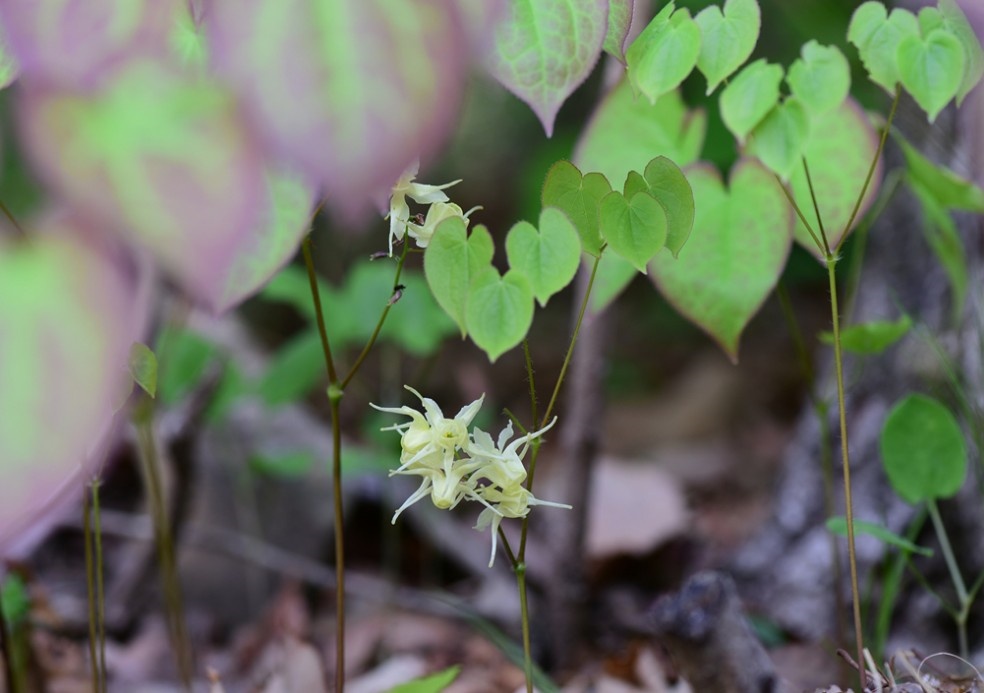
(399, 210)
(514, 501)
(431, 432)
(436, 213)
(455, 465)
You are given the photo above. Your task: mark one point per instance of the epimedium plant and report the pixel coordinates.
(193, 141)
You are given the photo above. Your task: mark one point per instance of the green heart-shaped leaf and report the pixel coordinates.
(877, 36)
(635, 228)
(820, 78)
(923, 450)
(626, 132)
(451, 262)
(634, 183)
(956, 23)
(728, 38)
(931, 69)
(839, 152)
(664, 53)
(544, 49)
(779, 139)
(499, 310)
(750, 97)
(672, 190)
(548, 258)
(735, 254)
(579, 198)
(619, 21)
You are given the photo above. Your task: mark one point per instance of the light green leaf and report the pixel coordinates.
(947, 188)
(626, 132)
(820, 78)
(619, 21)
(9, 67)
(930, 19)
(839, 152)
(672, 190)
(727, 39)
(499, 311)
(285, 465)
(942, 237)
(184, 358)
(548, 257)
(664, 53)
(871, 337)
(143, 368)
(931, 69)
(614, 275)
(750, 97)
(291, 286)
(578, 197)
(634, 183)
(923, 450)
(956, 23)
(435, 683)
(877, 36)
(838, 525)
(15, 600)
(734, 257)
(452, 260)
(778, 141)
(634, 228)
(294, 370)
(544, 49)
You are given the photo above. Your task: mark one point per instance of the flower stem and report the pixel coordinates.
(963, 597)
(845, 457)
(519, 565)
(90, 584)
(524, 609)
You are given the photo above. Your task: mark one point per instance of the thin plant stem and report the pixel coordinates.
(821, 409)
(528, 359)
(524, 611)
(874, 165)
(90, 585)
(334, 400)
(379, 324)
(7, 649)
(570, 349)
(845, 455)
(100, 587)
(816, 206)
(519, 564)
(319, 314)
(147, 446)
(963, 597)
(12, 219)
(335, 392)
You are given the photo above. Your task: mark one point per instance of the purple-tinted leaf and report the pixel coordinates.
(619, 23)
(68, 315)
(544, 49)
(270, 244)
(76, 42)
(349, 92)
(164, 161)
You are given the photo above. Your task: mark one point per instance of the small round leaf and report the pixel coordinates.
(923, 450)
(499, 311)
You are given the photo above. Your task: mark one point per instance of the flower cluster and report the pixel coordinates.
(440, 208)
(455, 464)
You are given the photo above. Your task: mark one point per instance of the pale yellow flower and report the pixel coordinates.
(421, 193)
